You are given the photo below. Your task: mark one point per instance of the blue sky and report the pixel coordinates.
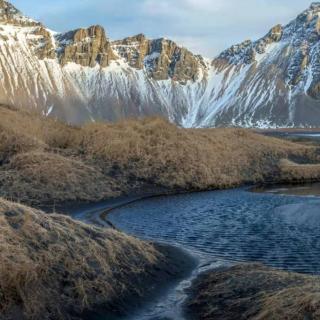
(203, 26)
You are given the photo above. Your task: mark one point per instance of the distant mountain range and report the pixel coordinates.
(82, 76)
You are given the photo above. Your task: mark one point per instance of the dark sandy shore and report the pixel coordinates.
(97, 212)
(176, 265)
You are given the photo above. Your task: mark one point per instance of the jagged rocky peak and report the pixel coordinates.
(275, 34)
(297, 46)
(304, 29)
(133, 50)
(246, 52)
(167, 59)
(162, 59)
(242, 53)
(313, 11)
(87, 47)
(12, 22)
(42, 42)
(306, 24)
(315, 6)
(11, 15)
(303, 36)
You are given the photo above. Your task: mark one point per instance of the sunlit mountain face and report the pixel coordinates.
(82, 75)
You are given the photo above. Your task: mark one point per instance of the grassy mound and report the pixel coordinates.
(43, 176)
(254, 292)
(53, 267)
(158, 152)
(294, 173)
(45, 161)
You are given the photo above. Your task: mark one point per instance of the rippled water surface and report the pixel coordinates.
(279, 227)
(235, 225)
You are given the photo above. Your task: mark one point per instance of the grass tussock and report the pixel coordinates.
(43, 176)
(295, 173)
(13, 142)
(53, 267)
(47, 158)
(254, 292)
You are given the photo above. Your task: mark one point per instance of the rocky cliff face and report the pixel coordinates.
(83, 76)
(43, 43)
(246, 52)
(86, 47)
(133, 50)
(162, 59)
(10, 15)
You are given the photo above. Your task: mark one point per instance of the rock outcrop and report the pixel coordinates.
(162, 59)
(167, 60)
(82, 76)
(133, 50)
(85, 47)
(247, 51)
(10, 15)
(43, 43)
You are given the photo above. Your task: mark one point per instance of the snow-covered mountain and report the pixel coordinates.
(81, 75)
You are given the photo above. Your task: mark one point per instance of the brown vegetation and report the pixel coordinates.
(43, 177)
(293, 172)
(53, 267)
(254, 292)
(162, 154)
(44, 160)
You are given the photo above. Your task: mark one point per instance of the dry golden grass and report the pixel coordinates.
(295, 173)
(45, 161)
(105, 159)
(43, 132)
(162, 154)
(52, 267)
(255, 292)
(43, 177)
(13, 142)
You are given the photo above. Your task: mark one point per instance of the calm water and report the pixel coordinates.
(235, 225)
(279, 227)
(308, 190)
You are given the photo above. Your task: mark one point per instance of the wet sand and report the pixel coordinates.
(176, 265)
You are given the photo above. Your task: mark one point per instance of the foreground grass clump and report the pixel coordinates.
(53, 267)
(43, 176)
(254, 292)
(43, 160)
(293, 172)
